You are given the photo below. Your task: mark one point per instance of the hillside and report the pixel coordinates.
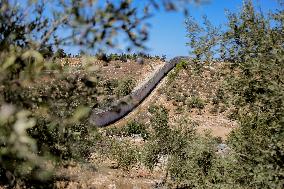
(75, 114)
(106, 169)
(191, 95)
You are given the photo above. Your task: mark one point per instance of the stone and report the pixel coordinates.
(140, 60)
(223, 149)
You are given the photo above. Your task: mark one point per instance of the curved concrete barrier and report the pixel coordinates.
(105, 116)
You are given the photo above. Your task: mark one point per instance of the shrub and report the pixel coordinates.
(18, 151)
(109, 86)
(163, 140)
(103, 57)
(60, 105)
(190, 167)
(192, 159)
(26, 40)
(130, 129)
(255, 87)
(126, 154)
(124, 87)
(179, 98)
(181, 65)
(117, 66)
(135, 128)
(198, 67)
(219, 97)
(173, 74)
(195, 102)
(60, 53)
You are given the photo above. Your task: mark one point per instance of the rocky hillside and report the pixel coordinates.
(192, 97)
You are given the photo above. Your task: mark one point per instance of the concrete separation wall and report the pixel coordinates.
(105, 116)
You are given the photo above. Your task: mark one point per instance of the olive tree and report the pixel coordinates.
(251, 44)
(32, 127)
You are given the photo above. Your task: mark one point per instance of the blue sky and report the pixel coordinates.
(167, 33)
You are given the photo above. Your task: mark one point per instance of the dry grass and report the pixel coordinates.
(204, 85)
(117, 69)
(189, 83)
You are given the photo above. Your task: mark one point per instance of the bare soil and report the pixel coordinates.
(101, 172)
(105, 175)
(213, 118)
(118, 69)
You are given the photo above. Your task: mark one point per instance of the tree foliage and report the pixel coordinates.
(42, 115)
(252, 43)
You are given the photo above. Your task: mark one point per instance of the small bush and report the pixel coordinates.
(135, 128)
(179, 98)
(151, 154)
(182, 65)
(198, 67)
(103, 57)
(130, 129)
(173, 74)
(195, 102)
(192, 166)
(112, 131)
(125, 153)
(117, 66)
(163, 140)
(219, 97)
(124, 87)
(109, 86)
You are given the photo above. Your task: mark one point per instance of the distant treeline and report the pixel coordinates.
(49, 52)
(124, 57)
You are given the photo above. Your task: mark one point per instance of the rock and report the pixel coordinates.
(113, 165)
(140, 60)
(112, 186)
(223, 149)
(221, 146)
(137, 138)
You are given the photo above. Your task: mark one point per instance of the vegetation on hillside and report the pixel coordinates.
(251, 49)
(43, 117)
(252, 44)
(44, 109)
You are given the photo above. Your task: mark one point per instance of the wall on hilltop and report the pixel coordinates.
(103, 117)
